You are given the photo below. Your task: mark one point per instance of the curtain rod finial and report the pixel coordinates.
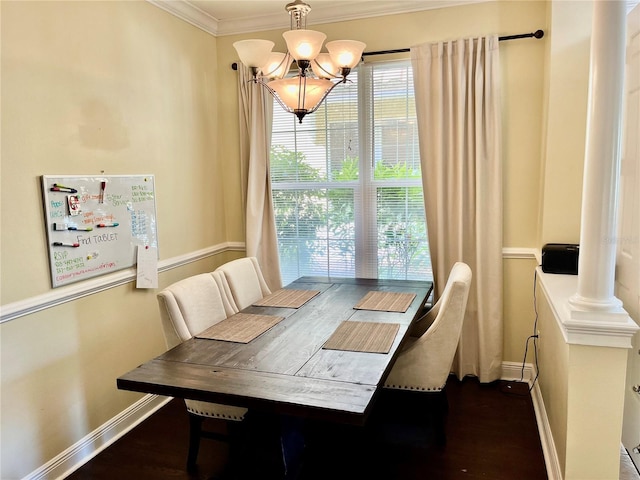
(538, 34)
(234, 66)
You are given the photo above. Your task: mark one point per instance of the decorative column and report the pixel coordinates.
(596, 267)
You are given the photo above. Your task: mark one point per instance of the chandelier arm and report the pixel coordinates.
(329, 74)
(275, 96)
(286, 58)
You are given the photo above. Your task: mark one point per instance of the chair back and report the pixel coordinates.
(189, 306)
(245, 281)
(425, 362)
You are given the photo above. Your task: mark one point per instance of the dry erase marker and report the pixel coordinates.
(62, 244)
(102, 225)
(64, 189)
(103, 185)
(62, 226)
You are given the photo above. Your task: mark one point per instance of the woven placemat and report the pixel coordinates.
(287, 297)
(386, 301)
(372, 337)
(240, 328)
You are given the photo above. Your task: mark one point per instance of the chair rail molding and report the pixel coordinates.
(69, 293)
(61, 295)
(521, 253)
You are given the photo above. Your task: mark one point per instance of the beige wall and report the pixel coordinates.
(523, 68)
(523, 75)
(595, 407)
(518, 281)
(554, 380)
(160, 97)
(568, 50)
(119, 87)
(582, 386)
(122, 87)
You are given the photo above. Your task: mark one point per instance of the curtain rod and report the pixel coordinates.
(536, 34)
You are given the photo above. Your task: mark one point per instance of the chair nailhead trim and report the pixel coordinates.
(216, 415)
(411, 387)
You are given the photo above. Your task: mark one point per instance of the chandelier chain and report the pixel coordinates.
(298, 10)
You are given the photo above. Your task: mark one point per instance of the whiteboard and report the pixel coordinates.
(96, 223)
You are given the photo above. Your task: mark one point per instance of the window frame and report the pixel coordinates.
(365, 188)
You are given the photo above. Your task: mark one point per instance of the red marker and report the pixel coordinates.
(103, 225)
(62, 244)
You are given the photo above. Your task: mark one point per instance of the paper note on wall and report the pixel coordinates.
(147, 276)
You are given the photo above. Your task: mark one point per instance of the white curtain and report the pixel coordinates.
(458, 106)
(256, 113)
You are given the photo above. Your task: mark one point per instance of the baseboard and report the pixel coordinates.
(518, 372)
(92, 444)
(527, 373)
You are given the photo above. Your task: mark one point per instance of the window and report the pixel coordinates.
(346, 182)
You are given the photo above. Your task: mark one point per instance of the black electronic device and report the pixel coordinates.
(560, 258)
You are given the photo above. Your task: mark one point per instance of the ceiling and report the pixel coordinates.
(243, 16)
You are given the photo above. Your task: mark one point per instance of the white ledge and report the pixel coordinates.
(600, 329)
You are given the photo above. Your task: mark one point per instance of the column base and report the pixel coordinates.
(609, 310)
(584, 326)
(610, 327)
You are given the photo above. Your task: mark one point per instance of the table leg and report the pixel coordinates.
(272, 446)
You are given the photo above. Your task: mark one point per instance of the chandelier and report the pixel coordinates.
(318, 73)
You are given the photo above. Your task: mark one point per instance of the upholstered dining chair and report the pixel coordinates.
(188, 307)
(245, 281)
(424, 364)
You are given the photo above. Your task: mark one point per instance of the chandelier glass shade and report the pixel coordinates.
(318, 73)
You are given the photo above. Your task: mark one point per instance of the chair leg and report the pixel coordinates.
(441, 409)
(195, 429)
(238, 441)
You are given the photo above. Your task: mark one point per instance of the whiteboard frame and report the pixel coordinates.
(113, 257)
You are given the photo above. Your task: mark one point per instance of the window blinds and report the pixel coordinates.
(346, 182)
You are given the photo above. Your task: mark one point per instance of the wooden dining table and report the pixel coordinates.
(287, 370)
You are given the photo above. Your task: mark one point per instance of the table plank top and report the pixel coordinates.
(285, 369)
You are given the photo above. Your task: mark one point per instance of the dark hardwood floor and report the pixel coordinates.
(491, 435)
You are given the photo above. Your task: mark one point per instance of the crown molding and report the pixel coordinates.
(320, 15)
(190, 13)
